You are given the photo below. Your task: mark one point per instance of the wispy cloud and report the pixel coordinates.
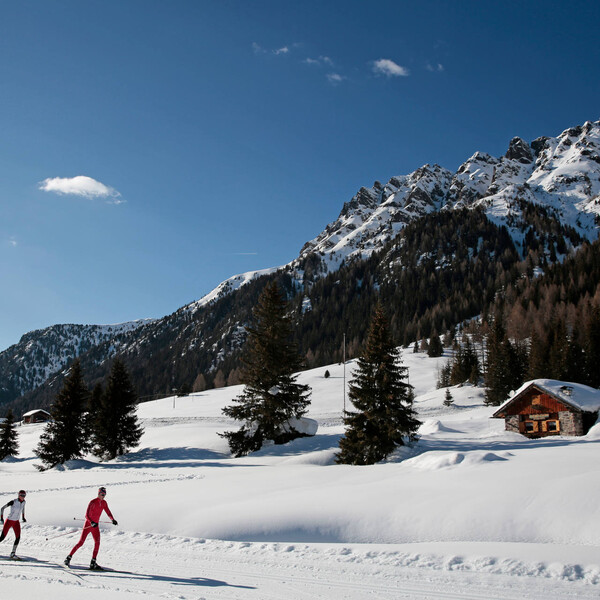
(257, 48)
(12, 241)
(83, 186)
(322, 60)
(387, 67)
(335, 78)
(284, 50)
(438, 68)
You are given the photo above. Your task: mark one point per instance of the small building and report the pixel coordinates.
(545, 407)
(36, 416)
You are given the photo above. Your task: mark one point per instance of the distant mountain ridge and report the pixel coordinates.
(41, 353)
(559, 177)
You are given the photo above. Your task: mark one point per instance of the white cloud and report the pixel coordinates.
(387, 67)
(12, 241)
(81, 186)
(335, 78)
(258, 49)
(283, 50)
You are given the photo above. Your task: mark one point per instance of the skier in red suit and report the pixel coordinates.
(92, 517)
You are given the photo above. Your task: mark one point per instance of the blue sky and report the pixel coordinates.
(152, 149)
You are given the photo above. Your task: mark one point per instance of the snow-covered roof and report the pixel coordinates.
(575, 394)
(37, 410)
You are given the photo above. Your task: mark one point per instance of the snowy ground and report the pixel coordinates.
(471, 511)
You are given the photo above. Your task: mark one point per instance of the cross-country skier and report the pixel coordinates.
(17, 509)
(92, 516)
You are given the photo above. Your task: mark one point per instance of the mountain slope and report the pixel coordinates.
(545, 195)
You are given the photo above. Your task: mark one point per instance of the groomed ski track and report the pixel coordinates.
(166, 567)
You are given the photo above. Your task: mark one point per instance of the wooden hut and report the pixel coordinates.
(36, 416)
(545, 407)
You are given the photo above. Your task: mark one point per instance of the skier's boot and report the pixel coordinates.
(94, 566)
(13, 556)
(68, 561)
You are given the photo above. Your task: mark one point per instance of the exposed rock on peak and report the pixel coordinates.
(519, 150)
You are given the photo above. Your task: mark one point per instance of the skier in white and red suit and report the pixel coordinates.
(92, 516)
(17, 509)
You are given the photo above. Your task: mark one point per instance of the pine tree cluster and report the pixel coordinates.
(103, 422)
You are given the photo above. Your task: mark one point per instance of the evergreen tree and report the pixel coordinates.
(383, 400)
(505, 365)
(9, 445)
(435, 346)
(271, 395)
(444, 375)
(465, 364)
(65, 437)
(116, 427)
(448, 399)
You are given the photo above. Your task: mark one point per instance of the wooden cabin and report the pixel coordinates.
(36, 416)
(545, 407)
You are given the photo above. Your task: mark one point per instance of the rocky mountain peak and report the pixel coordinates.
(519, 150)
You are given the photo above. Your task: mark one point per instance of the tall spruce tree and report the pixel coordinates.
(271, 395)
(65, 436)
(383, 400)
(9, 445)
(116, 427)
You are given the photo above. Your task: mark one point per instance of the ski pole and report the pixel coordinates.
(67, 533)
(76, 519)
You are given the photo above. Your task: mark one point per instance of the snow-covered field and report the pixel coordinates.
(471, 511)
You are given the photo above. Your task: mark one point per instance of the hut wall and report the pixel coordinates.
(570, 423)
(512, 423)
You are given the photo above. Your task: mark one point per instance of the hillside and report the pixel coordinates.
(436, 245)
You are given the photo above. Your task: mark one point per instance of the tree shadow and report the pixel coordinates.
(167, 454)
(499, 445)
(316, 443)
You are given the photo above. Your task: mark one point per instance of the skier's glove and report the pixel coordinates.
(94, 524)
(115, 522)
(1, 519)
(24, 520)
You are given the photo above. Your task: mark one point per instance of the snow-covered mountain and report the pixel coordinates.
(561, 174)
(42, 352)
(558, 177)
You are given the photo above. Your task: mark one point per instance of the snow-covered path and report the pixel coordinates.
(159, 566)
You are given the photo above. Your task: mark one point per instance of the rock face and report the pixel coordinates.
(560, 174)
